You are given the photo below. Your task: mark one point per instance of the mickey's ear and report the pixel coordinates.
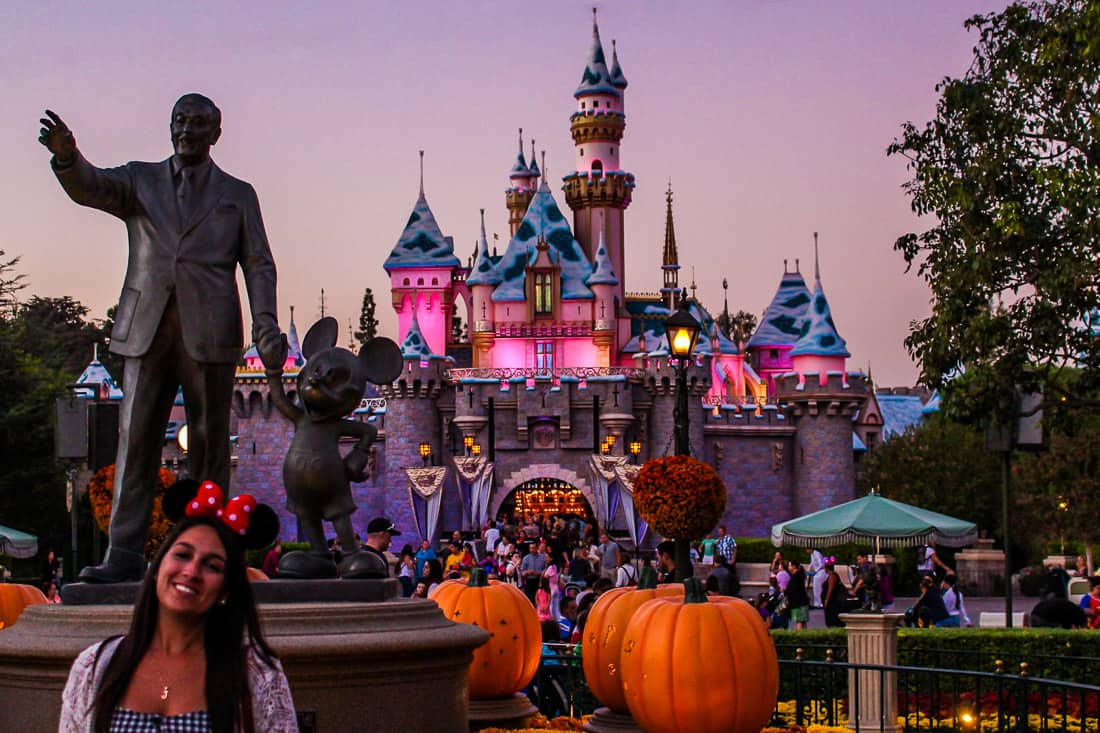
(381, 360)
(321, 335)
(176, 497)
(263, 527)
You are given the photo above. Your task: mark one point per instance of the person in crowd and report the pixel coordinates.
(194, 656)
(1081, 568)
(953, 602)
(51, 569)
(929, 610)
(777, 564)
(798, 599)
(579, 568)
(552, 574)
(627, 573)
(567, 621)
(708, 548)
(866, 588)
(885, 586)
(423, 554)
(783, 577)
(531, 569)
(726, 546)
(335, 550)
(504, 549)
(433, 574)
(666, 562)
(1090, 603)
(929, 563)
(512, 574)
(835, 594)
(380, 534)
(270, 566)
(406, 570)
(53, 595)
(542, 600)
(710, 585)
(491, 534)
(584, 606)
(760, 603)
(816, 571)
(1058, 613)
(609, 557)
(421, 590)
(721, 574)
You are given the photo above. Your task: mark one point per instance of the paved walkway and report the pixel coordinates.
(974, 607)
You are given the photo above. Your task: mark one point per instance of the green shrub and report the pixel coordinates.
(255, 558)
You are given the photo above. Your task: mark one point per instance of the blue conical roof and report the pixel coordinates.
(617, 77)
(483, 272)
(596, 78)
(415, 346)
(781, 323)
(604, 274)
(95, 374)
(819, 336)
(533, 169)
(422, 243)
(543, 220)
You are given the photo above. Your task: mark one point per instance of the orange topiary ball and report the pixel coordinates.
(601, 648)
(679, 496)
(101, 495)
(698, 664)
(14, 598)
(509, 660)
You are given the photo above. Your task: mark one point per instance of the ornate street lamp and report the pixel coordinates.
(468, 442)
(475, 449)
(635, 448)
(683, 331)
(426, 452)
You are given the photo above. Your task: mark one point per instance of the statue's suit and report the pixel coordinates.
(179, 318)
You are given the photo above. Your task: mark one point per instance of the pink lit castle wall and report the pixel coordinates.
(562, 381)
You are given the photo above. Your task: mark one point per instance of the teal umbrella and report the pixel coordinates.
(17, 544)
(875, 519)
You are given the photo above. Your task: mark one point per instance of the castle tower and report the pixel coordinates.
(421, 267)
(822, 399)
(670, 259)
(770, 345)
(598, 190)
(603, 283)
(522, 184)
(481, 281)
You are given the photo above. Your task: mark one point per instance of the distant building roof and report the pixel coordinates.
(95, 374)
(415, 346)
(781, 323)
(617, 77)
(422, 243)
(483, 271)
(899, 413)
(604, 273)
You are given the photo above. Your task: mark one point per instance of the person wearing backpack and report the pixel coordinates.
(627, 574)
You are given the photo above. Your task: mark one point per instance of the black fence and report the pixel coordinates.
(559, 687)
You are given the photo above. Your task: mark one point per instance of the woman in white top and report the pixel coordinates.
(953, 601)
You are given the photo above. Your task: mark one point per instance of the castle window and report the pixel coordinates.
(581, 151)
(773, 353)
(544, 299)
(596, 104)
(419, 281)
(612, 151)
(582, 105)
(435, 281)
(597, 165)
(406, 281)
(544, 355)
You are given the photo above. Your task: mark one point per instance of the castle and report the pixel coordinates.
(565, 382)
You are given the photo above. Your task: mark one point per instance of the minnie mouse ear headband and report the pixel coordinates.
(256, 524)
(831, 560)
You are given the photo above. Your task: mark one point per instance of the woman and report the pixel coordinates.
(835, 594)
(504, 550)
(511, 570)
(542, 600)
(798, 600)
(552, 575)
(433, 574)
(52, 594)
(953, 602)
(194, 657)
(406, 571)
(777, 564)
(929, 610)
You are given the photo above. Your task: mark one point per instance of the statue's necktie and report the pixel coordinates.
(185, 195)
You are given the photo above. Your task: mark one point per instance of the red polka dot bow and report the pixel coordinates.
(208, 502)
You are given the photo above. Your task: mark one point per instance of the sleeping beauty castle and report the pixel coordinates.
(563, 381)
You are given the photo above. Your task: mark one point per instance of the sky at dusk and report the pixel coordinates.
(770, 117)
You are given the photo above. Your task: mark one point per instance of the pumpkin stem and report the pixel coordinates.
(478, 579)
(648, 579)
(694, 592)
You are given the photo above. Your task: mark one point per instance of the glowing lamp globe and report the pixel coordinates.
(683, 330)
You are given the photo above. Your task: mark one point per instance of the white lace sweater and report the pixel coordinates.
(272, 706)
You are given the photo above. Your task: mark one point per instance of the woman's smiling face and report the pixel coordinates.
(191, 577)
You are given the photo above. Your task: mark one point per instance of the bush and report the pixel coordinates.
(255, 558)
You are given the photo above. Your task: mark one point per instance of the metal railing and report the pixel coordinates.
(559, 687)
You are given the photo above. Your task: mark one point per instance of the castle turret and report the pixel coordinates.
(481, 281)
(770, 345)
(603, 283)
(423, 263)
(670, 258)
(599, 190)
(522, 184)
(819, 350)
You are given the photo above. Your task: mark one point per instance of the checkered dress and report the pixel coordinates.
(128, 721)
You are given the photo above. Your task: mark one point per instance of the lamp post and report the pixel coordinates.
(426, 452)
(682, 330)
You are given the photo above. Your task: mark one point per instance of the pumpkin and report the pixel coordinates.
(601, 646)
(255, 574)
(509, 660)
(699, 664)
(14, 598)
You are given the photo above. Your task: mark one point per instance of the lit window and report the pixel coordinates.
(544, 302)
(435, 281)
(544, 355)
(419, 281)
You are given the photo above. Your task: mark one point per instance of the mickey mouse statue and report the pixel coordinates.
(316, 477)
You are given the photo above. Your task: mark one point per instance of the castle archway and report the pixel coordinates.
(547, 485)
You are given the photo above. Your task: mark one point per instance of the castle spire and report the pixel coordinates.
(596, 78)
(519, 168)
(817, 263)
(534, 167)
(670, 260)
(617, 77)
(421, 172)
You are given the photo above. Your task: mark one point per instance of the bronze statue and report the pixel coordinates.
(316, 477)
(179, 315)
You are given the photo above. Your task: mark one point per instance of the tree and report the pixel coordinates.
(368, 324)
(940, 465)
(10, 285)
(1010, 170)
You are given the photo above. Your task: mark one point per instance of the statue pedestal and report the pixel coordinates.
(606, 720)
(398, 665)
(505, 712)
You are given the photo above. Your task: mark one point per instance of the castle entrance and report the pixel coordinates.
(547, 495)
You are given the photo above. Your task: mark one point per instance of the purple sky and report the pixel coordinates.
(771, 119)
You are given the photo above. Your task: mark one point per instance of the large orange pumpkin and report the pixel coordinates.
(601, 648)
(14, 598)
(255, 574)
(708, 666)
(508, 662)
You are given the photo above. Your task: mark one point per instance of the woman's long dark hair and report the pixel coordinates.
(227, 692)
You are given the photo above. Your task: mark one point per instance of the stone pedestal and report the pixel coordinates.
(398, 665)
(873, 639)
(977, 566)
(1066, 562)
(606, 720)
(505, 712)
